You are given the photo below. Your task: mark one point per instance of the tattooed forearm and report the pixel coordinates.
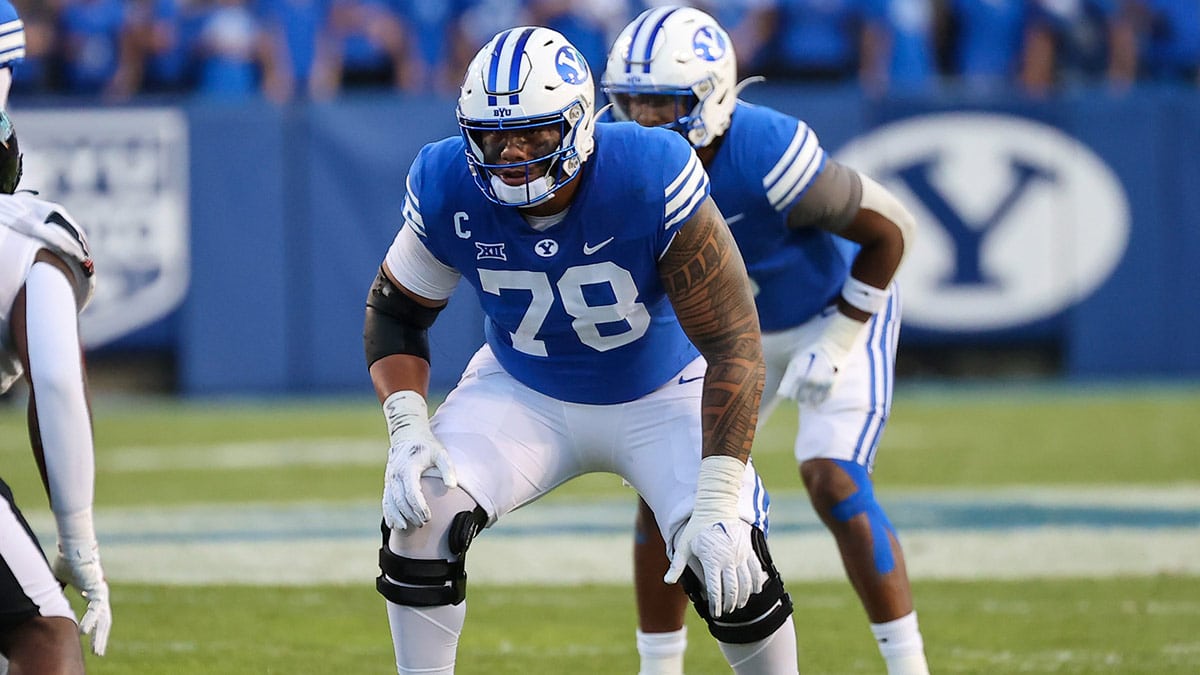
(706, 280)
(729, 407)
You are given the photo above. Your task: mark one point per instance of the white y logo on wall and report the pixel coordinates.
(123, 175)
(1016, 220)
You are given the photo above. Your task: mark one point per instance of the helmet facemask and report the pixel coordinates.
(675, 109)
(552, 161)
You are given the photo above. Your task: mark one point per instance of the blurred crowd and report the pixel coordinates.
(318, 49)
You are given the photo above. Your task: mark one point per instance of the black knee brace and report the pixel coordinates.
(430, 583)
(763, 613)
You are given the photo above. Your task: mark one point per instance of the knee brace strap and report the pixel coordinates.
(434, 582)
(464, 527)
(863, 501)
(430, 583)
(763, 613)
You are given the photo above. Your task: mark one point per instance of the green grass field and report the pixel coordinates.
(1145, 626)
(949, 438)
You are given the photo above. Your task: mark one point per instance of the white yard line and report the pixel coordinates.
(569, 560)
(257, 455)
(1001, 534)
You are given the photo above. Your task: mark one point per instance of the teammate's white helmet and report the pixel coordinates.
(528, 77)
(680, 52)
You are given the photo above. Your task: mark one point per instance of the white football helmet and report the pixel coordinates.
(523, 78)
(679, 52)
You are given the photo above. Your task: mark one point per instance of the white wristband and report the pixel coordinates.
(407, 415)
(864, 296)
(718, 487)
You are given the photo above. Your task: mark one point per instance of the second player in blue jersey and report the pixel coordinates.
(822, 244)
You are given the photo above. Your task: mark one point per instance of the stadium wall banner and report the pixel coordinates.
(1072, 222)
(123, 174)
(1021, 221)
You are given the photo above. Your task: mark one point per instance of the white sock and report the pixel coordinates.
(773, 655)
(426, 638)
(901, 645)
(662, 653)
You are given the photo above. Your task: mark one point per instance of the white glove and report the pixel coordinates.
(414, 449)
(719, 539)
(810, 375)
(78, 564)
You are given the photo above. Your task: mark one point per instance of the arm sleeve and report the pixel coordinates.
(12, 36)
(831, 201)
(56, 374)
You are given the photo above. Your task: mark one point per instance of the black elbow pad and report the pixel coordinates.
(395, 323)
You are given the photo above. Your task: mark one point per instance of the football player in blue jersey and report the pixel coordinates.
(12, 47)
(45, 281)
(621, 337)
(828, 308)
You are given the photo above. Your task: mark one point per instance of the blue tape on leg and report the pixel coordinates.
(863, 501)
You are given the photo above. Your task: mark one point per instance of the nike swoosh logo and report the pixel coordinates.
(734, 218)
(588, 250)
(682, 380)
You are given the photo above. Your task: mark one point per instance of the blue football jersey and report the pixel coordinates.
(765, 163)
(576, 311)
(12, 35)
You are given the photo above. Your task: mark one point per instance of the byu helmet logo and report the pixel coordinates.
(572, 67)
(708, 43)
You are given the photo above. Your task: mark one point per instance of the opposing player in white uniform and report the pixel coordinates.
(829, 310)
(45, 280)
(621, 337)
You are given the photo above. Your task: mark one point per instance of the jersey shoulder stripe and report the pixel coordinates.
(434, 179)
(684, 193)
(50, 224)
(412, 208)
(792, 173)
(15, 27)
(10, 52)
(47, 222)
(12, 41)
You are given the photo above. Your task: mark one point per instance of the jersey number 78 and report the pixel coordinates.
(586, 318)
